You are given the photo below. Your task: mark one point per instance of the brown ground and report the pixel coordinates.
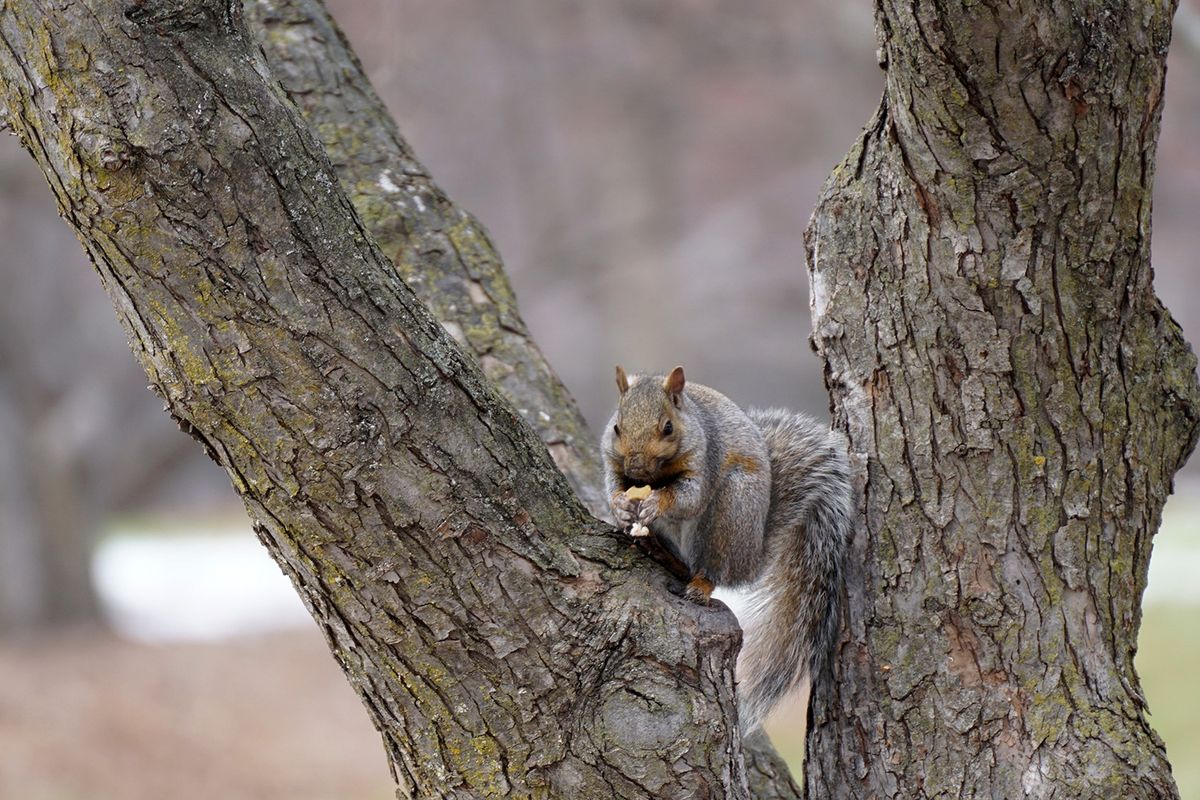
(89, 717)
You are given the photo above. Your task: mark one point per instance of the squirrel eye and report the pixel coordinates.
(668, 429)
(616, 430)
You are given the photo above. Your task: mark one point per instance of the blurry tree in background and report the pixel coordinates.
(79, 434)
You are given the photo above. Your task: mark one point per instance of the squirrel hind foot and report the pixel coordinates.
(699, 590)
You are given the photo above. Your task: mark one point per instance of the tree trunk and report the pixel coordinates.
(982, 300)
(441, 250)
(504, 643)
(22, 588)
(66, 533)
(46, 530)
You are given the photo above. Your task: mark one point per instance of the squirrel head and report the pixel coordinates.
(648, 435)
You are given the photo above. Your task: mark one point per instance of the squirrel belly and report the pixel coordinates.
(742, 497)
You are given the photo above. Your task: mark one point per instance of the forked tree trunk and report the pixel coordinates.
(982, 300)
(503, 642)
(441, 250)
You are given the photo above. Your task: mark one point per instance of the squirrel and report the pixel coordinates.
(756, 497)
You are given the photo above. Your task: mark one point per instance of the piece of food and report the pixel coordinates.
(639, 529)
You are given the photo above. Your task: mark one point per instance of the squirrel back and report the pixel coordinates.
(760, 496)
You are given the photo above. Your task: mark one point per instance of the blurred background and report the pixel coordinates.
(148, 646)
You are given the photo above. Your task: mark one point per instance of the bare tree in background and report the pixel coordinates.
(79, 435)
(501, 640)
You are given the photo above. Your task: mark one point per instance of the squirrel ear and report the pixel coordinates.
(622, 381)
(673, 385)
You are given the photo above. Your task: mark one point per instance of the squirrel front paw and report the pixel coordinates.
(625, 510)
(649, 509)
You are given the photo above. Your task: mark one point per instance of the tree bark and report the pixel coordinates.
(982, 300)
(504, 642)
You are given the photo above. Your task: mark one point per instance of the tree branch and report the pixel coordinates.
(441, 251)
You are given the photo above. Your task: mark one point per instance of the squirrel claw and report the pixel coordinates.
(647, 510)
(624, 510)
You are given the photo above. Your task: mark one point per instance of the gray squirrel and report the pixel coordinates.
(757, 497)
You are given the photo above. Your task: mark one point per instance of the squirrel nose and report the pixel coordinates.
(638, 468)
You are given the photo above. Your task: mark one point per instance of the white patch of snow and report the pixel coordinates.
(201, 586)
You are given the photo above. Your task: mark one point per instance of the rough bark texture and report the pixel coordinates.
(982, 299)
(504, 643)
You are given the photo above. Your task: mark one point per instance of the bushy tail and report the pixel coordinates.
(793, 619)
